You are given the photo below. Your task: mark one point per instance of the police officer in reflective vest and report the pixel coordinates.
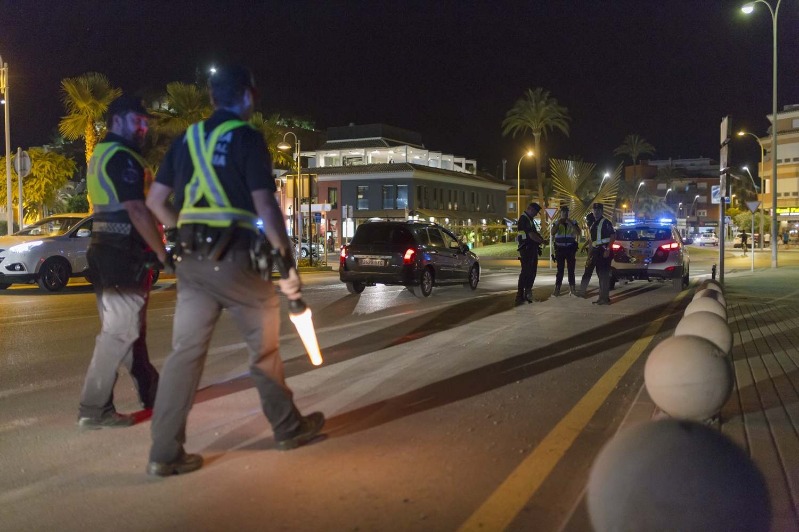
(123, 231)
(565, 232)
(529, 246)
(602, 236)
(589, 260)
(221, 175)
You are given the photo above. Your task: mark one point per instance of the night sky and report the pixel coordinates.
(668, 70)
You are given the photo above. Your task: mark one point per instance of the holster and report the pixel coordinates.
(261, 256)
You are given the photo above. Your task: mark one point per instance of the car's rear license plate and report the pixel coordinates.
(372, 262)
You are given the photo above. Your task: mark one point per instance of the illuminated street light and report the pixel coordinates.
(636, 195)
(749, 8)
(693, 203)
(666, 195)
(518, 183)
(757, 190)
(283, 146)
(679, 209)
(212, 70)
(606, 176)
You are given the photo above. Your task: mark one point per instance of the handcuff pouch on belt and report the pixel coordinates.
(207, 242)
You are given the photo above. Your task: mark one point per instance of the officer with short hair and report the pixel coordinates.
(565, 232)
(602, 236)
(529, 246)
(123, 231)
(221, 175)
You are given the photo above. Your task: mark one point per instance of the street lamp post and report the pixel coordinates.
(679, 209)
(6, 105)
(666, 195)
(748, 8)
(606, 176)
(296, 203)
(757, 192)
(518, 183)
(757, 189)
(632, 206)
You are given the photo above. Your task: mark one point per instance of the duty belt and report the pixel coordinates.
(117, 228)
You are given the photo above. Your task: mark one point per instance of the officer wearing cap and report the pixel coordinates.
(589, 260)
(123, 231)
(565, 232)
(529, 246)
(602, 236)
(221, 175)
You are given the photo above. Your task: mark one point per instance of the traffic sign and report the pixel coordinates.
(551, 211)
(22, 164)
(752, 205)
(317, 217)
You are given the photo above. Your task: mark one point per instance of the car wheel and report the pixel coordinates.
(354, 287)
(425, 287)
(304, 253)
(54, 274)
(3, 286)
(474, 277)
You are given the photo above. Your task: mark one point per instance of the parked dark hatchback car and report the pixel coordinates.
(417, 255)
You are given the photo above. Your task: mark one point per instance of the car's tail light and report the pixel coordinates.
(615, 247)
(670, 246)
(409, 257)
(342, 257)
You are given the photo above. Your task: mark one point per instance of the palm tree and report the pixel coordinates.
(633, 147)
(273, 135)
(185, 104)
(577, 185)
(86, 99)
(538, 113)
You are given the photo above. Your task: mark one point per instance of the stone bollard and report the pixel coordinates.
(676, 475)
(705, 304)
(688, 377)
(713, 294)
(712, 284)
(709, 326)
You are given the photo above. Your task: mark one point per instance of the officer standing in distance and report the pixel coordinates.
(119, 265)
(589, 260)
(565, 232)
(221, 175)
(602, 236)
(529, 240)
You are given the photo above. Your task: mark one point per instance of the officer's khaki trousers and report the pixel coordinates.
(204, 288)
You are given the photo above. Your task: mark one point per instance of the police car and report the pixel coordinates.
(650, 250)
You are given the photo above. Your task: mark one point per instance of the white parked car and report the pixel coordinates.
(47, 252)
(707, 239)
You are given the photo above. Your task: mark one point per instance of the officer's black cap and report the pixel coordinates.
(599, 206)
(564, 208)
(126, 104)
(535, 206)
(230, 81)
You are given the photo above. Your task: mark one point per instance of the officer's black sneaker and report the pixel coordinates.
(602, 302)
(185, 464)
(310, 426)
(528, 296)
(108, 421)
(572, 291)
(556, 292)
(518, 302)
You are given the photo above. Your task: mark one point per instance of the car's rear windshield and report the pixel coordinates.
(379, 233)
(628, 234)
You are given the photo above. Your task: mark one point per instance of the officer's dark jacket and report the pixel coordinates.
(526, 225)
(241, 161)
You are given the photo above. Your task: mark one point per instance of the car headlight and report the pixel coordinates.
(26, 247)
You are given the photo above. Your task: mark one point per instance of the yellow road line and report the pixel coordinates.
(499, 510)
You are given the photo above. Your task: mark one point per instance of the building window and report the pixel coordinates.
(402, 196)
(362, 202)
(332, 197)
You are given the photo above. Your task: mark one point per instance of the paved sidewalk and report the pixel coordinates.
(762, 415)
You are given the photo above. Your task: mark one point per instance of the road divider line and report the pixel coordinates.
(502, 507)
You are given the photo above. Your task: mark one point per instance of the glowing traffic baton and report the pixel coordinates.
(301, 316)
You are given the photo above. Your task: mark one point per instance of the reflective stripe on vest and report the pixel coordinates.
(563, 233)
(205, 183)
(598, 237)
(100, 187)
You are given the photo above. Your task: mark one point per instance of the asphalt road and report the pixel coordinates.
(432, 404)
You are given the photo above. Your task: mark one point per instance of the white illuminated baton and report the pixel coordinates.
(302, 318)
(300, 314)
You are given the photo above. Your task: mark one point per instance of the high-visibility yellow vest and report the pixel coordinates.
(598, 240)
(564, 232)
(99, 185)
(205, 184)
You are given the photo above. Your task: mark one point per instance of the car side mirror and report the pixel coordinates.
(83, 233)
(455, 245)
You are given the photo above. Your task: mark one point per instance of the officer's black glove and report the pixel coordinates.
(540, 252)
